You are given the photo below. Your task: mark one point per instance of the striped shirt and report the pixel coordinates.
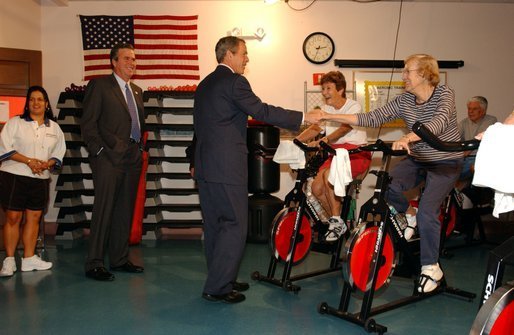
(438, 114)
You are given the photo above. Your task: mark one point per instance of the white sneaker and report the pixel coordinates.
(8, 267)
(430, 278)
(411, 226)
(336, 229)
(34, 263)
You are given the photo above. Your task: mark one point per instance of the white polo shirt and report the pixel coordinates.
(357, 135)
(25, 136)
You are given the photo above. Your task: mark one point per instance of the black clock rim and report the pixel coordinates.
(331, 41)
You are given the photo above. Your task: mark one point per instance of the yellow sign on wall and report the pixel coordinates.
(378, 93)
(373, 89)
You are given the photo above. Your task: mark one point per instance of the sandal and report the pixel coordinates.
(430, 278)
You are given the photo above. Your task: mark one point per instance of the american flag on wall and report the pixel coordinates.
(166, 46)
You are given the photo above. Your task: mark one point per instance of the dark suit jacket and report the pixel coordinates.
(106, 120)
(223, 102)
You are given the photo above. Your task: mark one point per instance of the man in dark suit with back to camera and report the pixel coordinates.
(223, 102)
(112, 123)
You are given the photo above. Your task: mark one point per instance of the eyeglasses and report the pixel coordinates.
(406, 71)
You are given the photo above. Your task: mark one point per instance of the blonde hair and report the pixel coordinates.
(427, 66)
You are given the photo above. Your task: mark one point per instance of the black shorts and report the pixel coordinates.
(21, 192)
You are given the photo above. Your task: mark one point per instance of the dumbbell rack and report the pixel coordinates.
(172, 197)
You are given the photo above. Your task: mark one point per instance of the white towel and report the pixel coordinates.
(494, 165)
(289, 153)
(340, 174)
(503, 202)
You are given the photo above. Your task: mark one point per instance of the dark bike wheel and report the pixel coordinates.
(281, 233)
(358, 254)
(496, 316)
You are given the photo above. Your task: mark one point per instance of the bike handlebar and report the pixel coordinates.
(304, 146)
(327, 147)
(379, 145)
(426, 135)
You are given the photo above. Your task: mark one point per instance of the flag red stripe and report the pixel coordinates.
(146, 67)
(167, 67)
(164, 47)
(164, 26)
(167, 76)
(152, 76)
(97, 67)
(165, 17)
(143, 57)
(97, 56)
(170, 53)
(165, 36)
(164, 56)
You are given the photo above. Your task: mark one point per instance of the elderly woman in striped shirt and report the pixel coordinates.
(433, 105)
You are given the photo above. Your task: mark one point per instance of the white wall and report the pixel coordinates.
(480, 34)
(20, 24)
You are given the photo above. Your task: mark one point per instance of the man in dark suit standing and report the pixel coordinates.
(112, 123)
(223, 102)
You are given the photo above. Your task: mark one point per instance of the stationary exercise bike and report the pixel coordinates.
(298, 228)
(496, 309)
(451, 210)
(371, 255)
(450, 216)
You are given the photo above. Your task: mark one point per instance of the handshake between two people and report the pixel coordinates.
(317, 115)
(314, 116)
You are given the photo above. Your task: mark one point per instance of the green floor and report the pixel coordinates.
(166, 299)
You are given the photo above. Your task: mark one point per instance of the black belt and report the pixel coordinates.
(131, 140)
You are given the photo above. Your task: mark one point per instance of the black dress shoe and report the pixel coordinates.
(128, 267)
(100, 273)
(240, 286)
(230, 298)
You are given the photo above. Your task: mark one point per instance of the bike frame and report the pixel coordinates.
(297, 199)
(376, 210)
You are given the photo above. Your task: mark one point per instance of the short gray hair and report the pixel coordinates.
(227, 43)
(481, 101)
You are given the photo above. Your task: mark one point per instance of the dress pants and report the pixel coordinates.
(225, 219)
(115, 194)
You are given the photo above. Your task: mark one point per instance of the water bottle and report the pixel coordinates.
(399, 218)
(322, 214)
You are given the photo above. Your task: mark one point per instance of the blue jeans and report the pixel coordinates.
(440, 177)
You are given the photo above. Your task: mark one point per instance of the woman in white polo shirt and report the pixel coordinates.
(31, 146)
(333, 89)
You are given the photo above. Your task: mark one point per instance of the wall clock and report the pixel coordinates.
(318, 48)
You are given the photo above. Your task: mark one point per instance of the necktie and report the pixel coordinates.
(135, 133)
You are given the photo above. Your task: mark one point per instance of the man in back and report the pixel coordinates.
(476, 122)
